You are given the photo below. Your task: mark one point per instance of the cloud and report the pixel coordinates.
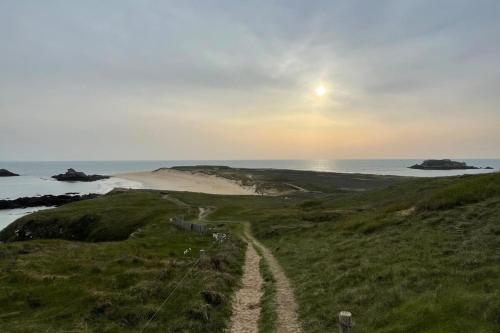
(214, 63)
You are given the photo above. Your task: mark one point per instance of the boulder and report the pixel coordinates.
(77, 176)
(7, 173)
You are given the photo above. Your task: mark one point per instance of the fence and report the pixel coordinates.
(179, 222)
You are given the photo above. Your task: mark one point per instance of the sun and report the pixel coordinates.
(320, 90)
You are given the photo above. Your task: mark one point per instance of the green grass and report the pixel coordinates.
(57, 285)
(108, 218)
(430, 271)
(417, 256)
(268, 316)
(406, 255)
(468, 189)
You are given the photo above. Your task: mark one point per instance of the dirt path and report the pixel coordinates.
(203, 212)
(286, 306)
(246, 305)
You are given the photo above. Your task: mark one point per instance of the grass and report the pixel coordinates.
(108, 218)
(59, 285)
(420, 255)
(268, 316)
(405, 255)
(435, 270)
(466, 190)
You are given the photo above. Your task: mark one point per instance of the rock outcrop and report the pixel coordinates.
(445, 164)
(44, 200)
(7, 173)
(77, 176)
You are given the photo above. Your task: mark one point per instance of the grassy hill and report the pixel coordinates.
(80, 285)
(406, 255)
(421, 255)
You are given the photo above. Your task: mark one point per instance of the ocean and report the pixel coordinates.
(35, 176)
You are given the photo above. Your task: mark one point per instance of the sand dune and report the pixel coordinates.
(175, 180)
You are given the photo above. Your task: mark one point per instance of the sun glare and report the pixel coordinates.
(320, 91)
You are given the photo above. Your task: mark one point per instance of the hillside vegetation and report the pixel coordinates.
(406, 255)
(422, 255)
(55, 285)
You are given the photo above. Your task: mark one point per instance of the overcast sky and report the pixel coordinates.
(236, 79)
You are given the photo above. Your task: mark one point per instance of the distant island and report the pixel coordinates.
(444, 164)
(77, 176)
(7, 173)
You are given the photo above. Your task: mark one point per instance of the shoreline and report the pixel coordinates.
(175, 180)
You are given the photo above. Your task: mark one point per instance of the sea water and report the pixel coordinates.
(35, 177)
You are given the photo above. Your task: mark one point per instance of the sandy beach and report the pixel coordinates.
(175, 180)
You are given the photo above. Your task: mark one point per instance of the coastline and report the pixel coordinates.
(175, 180)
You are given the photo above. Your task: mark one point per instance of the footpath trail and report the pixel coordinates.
(286, 305)
(247, 301)
(246, 306)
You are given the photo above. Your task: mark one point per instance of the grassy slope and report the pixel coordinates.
(53, 285)
(432, 270)
(111, 217)
(418, 256)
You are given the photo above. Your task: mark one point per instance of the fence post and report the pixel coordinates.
(345, 322)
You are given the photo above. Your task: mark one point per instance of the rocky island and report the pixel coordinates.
(77, 176)
(445, 164)
(7, 173)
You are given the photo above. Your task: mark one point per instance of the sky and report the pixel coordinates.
(119, 79)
